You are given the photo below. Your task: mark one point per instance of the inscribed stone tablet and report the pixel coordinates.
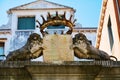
(57, 48)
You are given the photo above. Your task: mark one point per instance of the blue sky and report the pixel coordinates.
(87, 11)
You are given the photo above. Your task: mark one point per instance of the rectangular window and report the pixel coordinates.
(26, 23)
(110, 33)
(1, 51)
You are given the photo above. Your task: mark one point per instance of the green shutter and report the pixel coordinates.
(25, 23)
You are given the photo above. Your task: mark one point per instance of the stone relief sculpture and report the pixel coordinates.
(83, 49)
(32, 49)
(34, 46)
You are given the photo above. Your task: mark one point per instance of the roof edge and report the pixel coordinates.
(14, 8)
(101, 20)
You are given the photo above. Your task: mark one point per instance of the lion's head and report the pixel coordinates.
(80, 38)
(35, 44)
(34, 37)
(81, 43)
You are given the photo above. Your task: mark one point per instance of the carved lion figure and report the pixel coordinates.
(83, 49)
(32, 49)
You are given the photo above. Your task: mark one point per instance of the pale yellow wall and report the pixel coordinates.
(104, 44)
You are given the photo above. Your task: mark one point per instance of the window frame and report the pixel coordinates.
(110, 33)
(26, 29)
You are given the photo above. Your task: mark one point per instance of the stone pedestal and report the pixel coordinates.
(57, 48)
(82, 70)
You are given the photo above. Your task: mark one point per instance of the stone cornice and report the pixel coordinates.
(85, 30)
(20, 64)
(5, 32)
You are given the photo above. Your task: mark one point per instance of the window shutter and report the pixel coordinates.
(25, 23)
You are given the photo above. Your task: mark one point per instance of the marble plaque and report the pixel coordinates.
(57, 48)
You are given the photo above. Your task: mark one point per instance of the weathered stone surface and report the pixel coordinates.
(57, 48)
(14, 74)
(109, 73)
(31, 50)
(83, 70)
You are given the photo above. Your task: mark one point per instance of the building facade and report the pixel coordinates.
(22, 22)
(108, 35)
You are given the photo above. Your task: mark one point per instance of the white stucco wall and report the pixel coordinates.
(105, 44)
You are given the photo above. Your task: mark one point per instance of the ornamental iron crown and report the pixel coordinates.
(56, 20)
